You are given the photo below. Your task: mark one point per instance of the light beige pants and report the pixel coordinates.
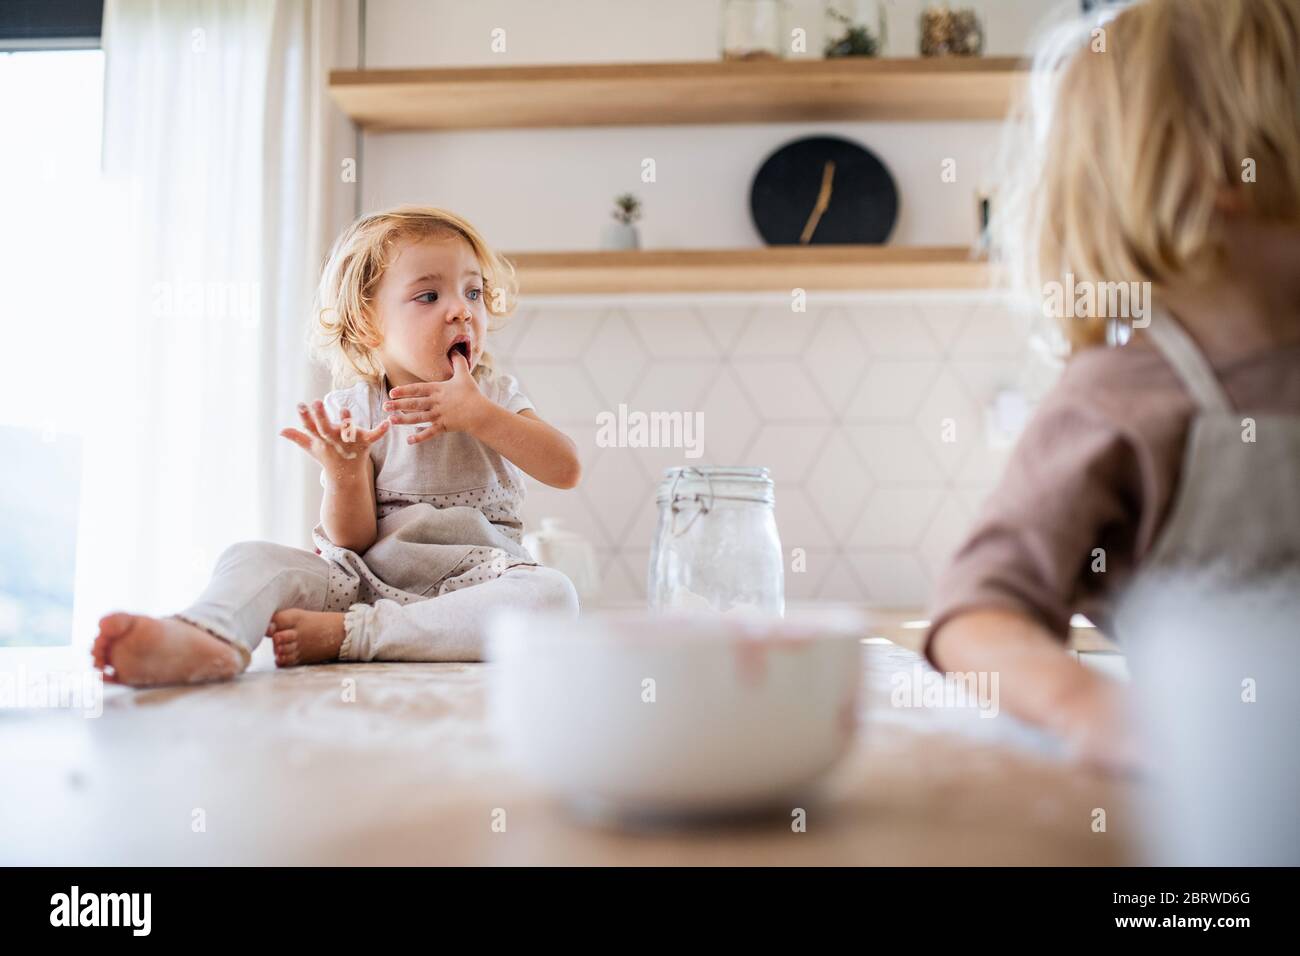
(254, 579)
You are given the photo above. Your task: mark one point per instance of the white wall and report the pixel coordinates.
(551, 190)
(843, 403)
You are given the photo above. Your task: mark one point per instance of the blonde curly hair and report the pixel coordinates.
(345, 335)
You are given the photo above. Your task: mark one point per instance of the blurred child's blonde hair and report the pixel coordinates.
(345, 333)
(1118, 158)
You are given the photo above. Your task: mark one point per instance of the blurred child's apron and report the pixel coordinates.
(1236, 513)
(1211, 628)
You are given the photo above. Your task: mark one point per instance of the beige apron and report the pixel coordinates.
(447, 518)
(1238, 502)
(1211, 625)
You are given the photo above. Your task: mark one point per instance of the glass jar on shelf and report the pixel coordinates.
(949, 29)
(753, 29)
(716, 544)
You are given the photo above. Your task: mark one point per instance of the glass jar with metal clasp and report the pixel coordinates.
(716, 544)
(754, 29)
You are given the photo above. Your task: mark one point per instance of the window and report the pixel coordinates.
(53, 208)
(50, 24)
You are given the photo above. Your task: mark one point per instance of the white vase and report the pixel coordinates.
(557, 547)
(620, 235)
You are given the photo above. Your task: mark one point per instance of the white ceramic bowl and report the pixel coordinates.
(638, 715)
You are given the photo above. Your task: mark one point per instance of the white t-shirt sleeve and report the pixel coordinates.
(508, 395)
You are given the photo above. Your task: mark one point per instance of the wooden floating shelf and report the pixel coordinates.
(769, 269)
(641, 94)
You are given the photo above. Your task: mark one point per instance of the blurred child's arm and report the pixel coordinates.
(540, 449)
(1057, 535)
(1038, 681)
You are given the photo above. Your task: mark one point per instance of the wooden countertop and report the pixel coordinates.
(907, 627)
(277, 767)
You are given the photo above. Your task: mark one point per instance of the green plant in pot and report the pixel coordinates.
(850, 38)
(622, 232)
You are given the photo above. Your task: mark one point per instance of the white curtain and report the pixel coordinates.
(224, 151)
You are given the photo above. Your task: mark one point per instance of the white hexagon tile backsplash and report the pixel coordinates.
(869, 412)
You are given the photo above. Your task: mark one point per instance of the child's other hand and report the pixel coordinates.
(1041, 684)
(455, 405)
(337, 446)
(1098, 727)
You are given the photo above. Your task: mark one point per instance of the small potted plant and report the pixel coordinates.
(852, 38)
(621, 233)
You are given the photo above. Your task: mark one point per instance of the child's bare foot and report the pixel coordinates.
(305, 637)
(143, 651)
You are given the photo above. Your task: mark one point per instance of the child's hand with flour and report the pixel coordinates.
(337, 446)
(456, 405)
(342, 448)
